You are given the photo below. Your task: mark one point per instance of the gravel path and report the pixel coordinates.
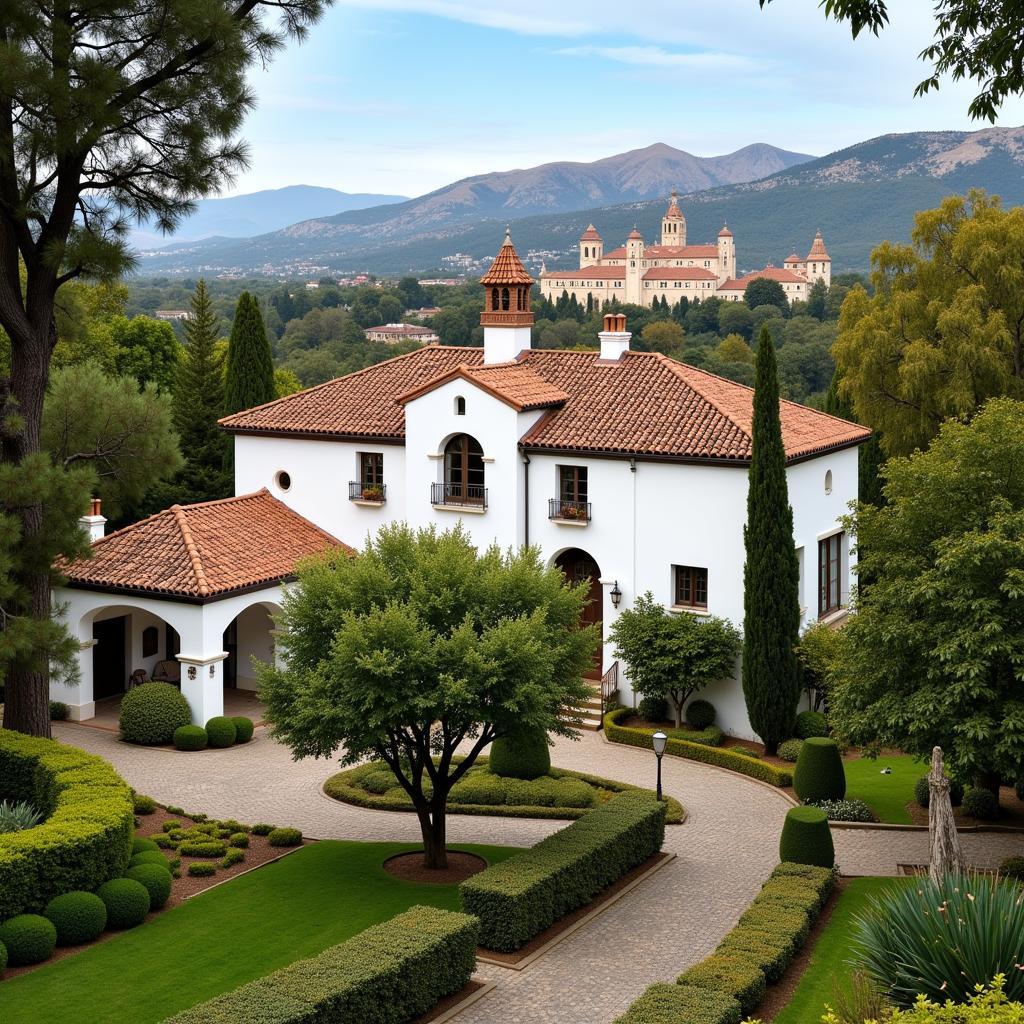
(724, 851)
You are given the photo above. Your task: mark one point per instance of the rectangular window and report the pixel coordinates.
(691, 586)
(829, 560)
(572, 483)
(371, 469)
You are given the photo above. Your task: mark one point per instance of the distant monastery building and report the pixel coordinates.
(644, 274)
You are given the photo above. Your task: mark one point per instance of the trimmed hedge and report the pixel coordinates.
(721, 757)
(682, 1004)
(981, 803)
(806, 838)
(202, 869)
(199, 848)
(731, 976)
(221, 731)
(140, 844)
(819, 772)
(522, 896)
(811, 723)
(148, 857)
(190, 737)
(144, 804)
(151, 712)
(700, 713)
(85, 840)
(522, 755)
(389, 974)
(285, 837)
(78, 917)
(243, 728)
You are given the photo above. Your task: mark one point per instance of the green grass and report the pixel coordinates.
(886, 795)
(827, 968)
(285, 911)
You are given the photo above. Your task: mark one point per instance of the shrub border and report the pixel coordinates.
(337, 789)
(719, 757)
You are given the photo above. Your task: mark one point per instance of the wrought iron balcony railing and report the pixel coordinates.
(458, 494)
(569, 511)
(358, 491)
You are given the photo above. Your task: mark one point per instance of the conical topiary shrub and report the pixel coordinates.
(521, 755)
(819, 773)
(806, 838)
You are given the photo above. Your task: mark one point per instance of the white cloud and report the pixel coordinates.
(658, 57)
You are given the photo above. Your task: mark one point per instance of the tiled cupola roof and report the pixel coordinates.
(590, 235)
(507, 267)
(818, 250)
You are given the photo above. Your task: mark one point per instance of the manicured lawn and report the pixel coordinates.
(827, 968)
(886, 795)
(212, 943)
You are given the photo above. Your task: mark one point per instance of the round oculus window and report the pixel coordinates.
(283, 480)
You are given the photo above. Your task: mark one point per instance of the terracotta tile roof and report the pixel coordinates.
(507, 267)
(616, 254)
(779, 274)
(587, 274)
(672, 213)
(818, 251)
(725, 232)
(679, 274)
(590, 235)
(363, 404)
(410, 329)
(514, 383)
(635, 234)
(203, 551)
(792, 258)
(643, 404)
(702, 252)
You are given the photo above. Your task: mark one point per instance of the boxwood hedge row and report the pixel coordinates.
(522, 896)
(389, 974)
(722, 757)
(86, 838)
(730, 984)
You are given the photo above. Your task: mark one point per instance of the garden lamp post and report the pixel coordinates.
(658, 741)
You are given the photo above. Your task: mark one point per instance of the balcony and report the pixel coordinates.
(367, 494)
(576, 513)
(471, 497)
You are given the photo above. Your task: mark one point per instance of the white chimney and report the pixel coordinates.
(614, 337)
(94, 522)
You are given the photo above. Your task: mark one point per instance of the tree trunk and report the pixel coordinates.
(432, 828)
(945, 856)
(679, 714)
(771, 747)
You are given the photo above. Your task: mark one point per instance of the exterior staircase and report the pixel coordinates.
(604, 691)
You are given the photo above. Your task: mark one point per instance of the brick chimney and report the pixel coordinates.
(95, 522)
(614, 338)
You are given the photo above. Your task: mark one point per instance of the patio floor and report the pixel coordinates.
(236, 702)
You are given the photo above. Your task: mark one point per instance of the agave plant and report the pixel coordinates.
(14, 817)
(941, 939)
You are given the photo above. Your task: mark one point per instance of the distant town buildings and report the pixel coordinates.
(392, 334)
(424, 313)
(644, 274)
(172, 314)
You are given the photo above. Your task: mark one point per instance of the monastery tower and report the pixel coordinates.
(506, 318)
(591, 247)
(673, 224)
(726, 254)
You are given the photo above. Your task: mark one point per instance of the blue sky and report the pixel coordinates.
(403, 96)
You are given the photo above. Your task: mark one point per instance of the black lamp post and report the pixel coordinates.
(658, 741)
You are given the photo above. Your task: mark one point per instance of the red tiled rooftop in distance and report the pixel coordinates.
(514, 383)
(679, 274)
(780, 274)
(590, 235)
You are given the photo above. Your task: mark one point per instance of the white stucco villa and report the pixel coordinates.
(628, 469)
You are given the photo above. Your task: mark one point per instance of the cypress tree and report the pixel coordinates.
(199, 403)
(771, 573)
(250, 376)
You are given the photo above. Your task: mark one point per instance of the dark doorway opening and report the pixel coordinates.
(109, 674)
(579, 567)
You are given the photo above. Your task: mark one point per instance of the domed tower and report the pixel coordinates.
(819, 263)
(673, 224)
(726, 254)
(591, 248)
(634, 269)
(506, 318)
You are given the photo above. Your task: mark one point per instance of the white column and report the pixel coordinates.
(78, 695)
(202, 683)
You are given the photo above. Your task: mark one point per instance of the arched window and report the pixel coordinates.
(521, 299)
(494, 298)
(586, 250)
(504, 298)
(464, 471)
(828, 481)
(460, 406)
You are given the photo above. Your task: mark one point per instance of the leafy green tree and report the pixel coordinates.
(771, 572)
(736, 318)
(113, 110)
(146, 350)
(673, 655)
(817, 300)
(733, 349)
(763, 291)
(421, 646)
(944, 330)
(663, 336)
(974, 39)
(250, 365)
(125, 436)
(286, 382)
(935, 653)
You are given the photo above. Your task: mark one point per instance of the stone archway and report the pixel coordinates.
(580, 567)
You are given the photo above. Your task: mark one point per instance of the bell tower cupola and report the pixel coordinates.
(506, 318)
(673, 224)
(591, 248)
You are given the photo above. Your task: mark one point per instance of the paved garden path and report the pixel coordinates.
(724, 851)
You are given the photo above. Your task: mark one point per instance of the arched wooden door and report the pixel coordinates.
(579, 567)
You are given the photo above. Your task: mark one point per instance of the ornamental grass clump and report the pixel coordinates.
(16, 816)
(942, 939)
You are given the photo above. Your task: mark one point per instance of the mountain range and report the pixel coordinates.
(856, 196)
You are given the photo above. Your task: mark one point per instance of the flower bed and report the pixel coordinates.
(87, 836)
(722, 757)
(527, 893)
(565, 794)
(393, 971)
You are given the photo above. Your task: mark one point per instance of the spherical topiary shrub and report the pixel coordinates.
(790, 749)
(806, 838)
(523, 755)
(981, 803)
(285, 837)
(243, 728)
(157, 880)
(77, 916)
(819, 773)
(653, 708)
(140, 843)
(221, 731)
(190, 737)
(126, 900)
(811, 723)
(29, 938)
(700, 714)
(148, 857)
(151, 712)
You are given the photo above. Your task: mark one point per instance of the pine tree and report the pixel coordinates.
(771, 573)
(250, 376)
(199, 403)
